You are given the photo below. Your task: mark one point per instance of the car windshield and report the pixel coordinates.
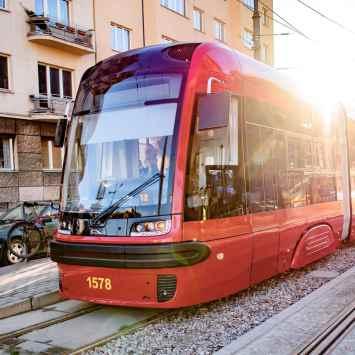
(21, 212)
(120, 135)
(14, 214)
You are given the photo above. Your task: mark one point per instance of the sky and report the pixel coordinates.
(323, 68)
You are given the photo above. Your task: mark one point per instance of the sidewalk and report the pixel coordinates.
(322, 320)
(27, 286)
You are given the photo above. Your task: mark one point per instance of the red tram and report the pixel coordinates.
(193, 172)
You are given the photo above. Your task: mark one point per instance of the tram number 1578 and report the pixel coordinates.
(101, 283)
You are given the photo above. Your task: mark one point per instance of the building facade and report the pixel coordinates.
(46, 45)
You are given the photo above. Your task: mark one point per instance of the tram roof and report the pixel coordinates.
(250, 68)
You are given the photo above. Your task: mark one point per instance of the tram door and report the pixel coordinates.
(262, 200)
(345, 134)
(215, 192)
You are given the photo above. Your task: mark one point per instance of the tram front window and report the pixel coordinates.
(120, 136)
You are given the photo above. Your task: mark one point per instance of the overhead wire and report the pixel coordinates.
(319, 43)
(321, 14)
(285, 23)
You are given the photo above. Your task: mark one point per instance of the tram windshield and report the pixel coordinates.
(120, 136)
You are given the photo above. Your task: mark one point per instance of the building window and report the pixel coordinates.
(219, 30)
(4, 72)
(52, 157)
(54, 82)
(6, 153)
(56, 10)
(249, 3)
(166, 39)
(197, 18)
(264, 53)
(175, 5)
(120, 38)
(2, 4)
(247, 38)
(265, 17)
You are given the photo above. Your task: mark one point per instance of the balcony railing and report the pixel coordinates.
(49, 105)
(45, 29)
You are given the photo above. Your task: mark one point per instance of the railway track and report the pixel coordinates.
(69, 327)
(334, 335)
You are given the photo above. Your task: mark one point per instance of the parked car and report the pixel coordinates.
(43, 214)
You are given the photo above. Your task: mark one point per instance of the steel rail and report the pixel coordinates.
(17, 333)
(334, 331)
(10, 338)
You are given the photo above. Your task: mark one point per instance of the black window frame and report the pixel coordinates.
(48, 85)
(11, 139)
(5, 76)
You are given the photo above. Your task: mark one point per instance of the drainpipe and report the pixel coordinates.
(94, 23)
(143, 24)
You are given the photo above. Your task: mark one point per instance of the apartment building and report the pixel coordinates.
(146, 22)
(46, 45)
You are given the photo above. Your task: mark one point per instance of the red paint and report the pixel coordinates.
(202, 282)
(244, 250)
(316, 243)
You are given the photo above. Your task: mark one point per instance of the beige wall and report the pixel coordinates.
(162, 22)
(118, 12)
(24, 55)
(30, 179)
(159, 21)
(246, 22)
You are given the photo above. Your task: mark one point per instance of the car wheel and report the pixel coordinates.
(20, 248)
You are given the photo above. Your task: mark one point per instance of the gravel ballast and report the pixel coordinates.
(207, 328)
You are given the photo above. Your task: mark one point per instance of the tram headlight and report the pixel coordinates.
(151, 228)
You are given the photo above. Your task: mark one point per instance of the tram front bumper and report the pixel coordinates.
(150, 256)
(153, 276)
(132, 275)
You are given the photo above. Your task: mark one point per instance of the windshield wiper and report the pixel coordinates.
(106, 213)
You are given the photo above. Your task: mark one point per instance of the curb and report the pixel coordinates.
(30, 304)
(266, 329)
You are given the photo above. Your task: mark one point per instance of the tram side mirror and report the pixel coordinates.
(213, 110)
(60, 132)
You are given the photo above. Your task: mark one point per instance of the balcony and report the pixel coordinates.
(48, 106)
(46, 31)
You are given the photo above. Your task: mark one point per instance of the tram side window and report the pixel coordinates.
(298, 187)
(288, 165)
(215, 177)
(255, 193)
(281, 169)
(262, 167)
(296, 155)
(268, 137)
(299, 171)
(279, 159)
(324, 183)
(351, 132)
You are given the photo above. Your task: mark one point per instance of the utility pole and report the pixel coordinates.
(256, 31)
